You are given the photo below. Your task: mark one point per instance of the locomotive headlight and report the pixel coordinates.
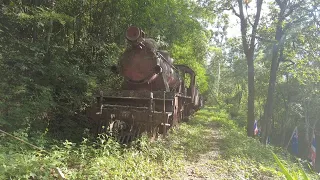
(133, 33)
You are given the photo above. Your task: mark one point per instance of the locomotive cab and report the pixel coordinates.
(188, 77)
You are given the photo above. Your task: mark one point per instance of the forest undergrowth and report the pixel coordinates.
(209, 146)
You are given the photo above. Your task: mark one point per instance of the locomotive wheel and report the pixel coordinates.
(154, 133)
(125, 137)
(101, 126)
(125, 132)
(118, 126)
(185, 117)
(163, 129)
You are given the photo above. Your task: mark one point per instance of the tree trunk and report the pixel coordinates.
(307, 123)
(250, 112)
(286, 102)
(268, 110)
(218, 79)
(48, 53)
(34, 25)
(266, 123)
(283, 126)
(249, 47)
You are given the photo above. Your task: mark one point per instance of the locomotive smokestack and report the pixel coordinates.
(134, 33)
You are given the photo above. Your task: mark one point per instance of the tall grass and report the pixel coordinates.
(238, 157)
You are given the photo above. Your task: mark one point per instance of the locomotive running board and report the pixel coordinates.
(129, 94)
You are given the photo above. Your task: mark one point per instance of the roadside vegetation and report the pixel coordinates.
(56, 54)
(209, 146)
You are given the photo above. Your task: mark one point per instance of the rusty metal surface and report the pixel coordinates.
(146, 68)
(153, 98)
(151, 112)
(138, 64)
(143, 94)
(139, 112)
(136, 121)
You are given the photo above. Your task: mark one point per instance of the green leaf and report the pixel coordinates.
(304, 175)
(283, 169)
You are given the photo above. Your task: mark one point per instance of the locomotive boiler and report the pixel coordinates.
(154, 97)
(145, 67)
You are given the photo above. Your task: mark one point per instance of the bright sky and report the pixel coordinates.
(234, 26)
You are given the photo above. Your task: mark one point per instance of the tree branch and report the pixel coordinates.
(280, 4)
(289, 60)
(289, 25)
(235, 12)
(243, 25)
(262, 39)
(256, 22)
(292, 8)
(218, 10)
(248, 16)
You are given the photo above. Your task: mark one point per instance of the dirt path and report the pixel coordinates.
(206, 156)
(205, 165)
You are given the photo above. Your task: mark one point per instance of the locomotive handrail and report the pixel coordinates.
(133, 98)
(133, 94)
(170, 64)
(121, 106)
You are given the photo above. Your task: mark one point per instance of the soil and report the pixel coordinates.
(205, 167)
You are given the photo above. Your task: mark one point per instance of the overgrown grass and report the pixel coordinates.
(104, 159)
(238, 157)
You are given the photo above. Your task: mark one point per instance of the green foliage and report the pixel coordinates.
(55, 55)
(283, 169)
(297, 79)
(294, 175)
(210, 137)
(191, 51)
(240, 153)
(103, 158)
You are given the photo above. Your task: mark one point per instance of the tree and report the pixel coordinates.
(249, 44)
(290, 14)
(55, 53)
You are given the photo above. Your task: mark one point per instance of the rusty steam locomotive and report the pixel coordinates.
(155, 94)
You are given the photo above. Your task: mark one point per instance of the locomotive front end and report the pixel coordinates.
(145, 67)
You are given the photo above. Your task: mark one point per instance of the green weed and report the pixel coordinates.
(209, 130)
